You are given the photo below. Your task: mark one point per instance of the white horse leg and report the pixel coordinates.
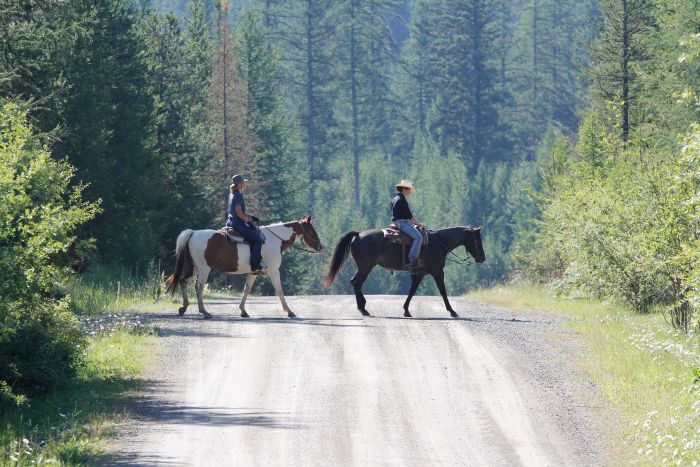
(277, 284)
(250, 280)
(201, 282)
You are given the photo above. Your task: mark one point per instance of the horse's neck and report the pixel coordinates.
(280, 232)
(450, 237)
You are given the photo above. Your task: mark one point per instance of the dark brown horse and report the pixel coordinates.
(370, 248)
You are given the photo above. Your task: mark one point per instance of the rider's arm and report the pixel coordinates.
(415, 221)
(241, 215)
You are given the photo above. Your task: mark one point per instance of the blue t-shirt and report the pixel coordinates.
(234, 199)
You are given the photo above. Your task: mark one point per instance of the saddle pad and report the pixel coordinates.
(394, 235)
(234, 237)
(231, 236)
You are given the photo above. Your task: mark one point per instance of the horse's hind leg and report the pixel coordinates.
(250, 280)
(357, 281)
(184, 285)
(185, 301)
(201, 281)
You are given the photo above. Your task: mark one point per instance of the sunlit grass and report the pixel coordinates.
(645, 368)
(72, 426)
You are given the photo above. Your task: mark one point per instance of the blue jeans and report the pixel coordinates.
(250, 235)
(411, 230)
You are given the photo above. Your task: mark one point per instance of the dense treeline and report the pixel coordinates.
(619, 207)
(323, 104)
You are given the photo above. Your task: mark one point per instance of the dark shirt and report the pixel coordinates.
(400, 209)
(235, 199)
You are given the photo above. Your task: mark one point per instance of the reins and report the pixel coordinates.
(294, 244)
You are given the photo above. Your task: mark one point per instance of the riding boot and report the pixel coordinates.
(415, 264)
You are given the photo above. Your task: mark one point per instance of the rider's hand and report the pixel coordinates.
(420, 226)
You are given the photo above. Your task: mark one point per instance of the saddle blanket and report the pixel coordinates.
(394, 235)
(235, 237)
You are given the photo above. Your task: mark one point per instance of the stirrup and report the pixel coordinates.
(415, 265)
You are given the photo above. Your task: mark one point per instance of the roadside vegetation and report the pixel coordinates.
(648, 370)
(73, 425)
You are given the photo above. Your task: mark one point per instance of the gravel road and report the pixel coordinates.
(494, 387)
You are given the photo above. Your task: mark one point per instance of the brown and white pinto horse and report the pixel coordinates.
(200, 251)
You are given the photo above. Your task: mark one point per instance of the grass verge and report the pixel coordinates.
(71, 426)
(646, 369)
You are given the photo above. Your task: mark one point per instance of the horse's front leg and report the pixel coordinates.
(277, 284)
(439, 277)
(250, 280)
(416, 279)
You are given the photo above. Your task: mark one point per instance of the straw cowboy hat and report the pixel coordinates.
(405, 184)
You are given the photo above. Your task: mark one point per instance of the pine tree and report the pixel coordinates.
(109, 128)
(170, 77)
(235, 143)
(303, 33)
(275, 165)
(465, 73)
(366, 48)
(620, 54)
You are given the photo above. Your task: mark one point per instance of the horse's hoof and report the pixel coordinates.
(290, 314)
(206, 314)
(244, 314)
(454, 314)
(365, 313)
(406, 314)
(181, 311)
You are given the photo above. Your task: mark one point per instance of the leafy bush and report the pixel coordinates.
(40, 340)
(621, 222)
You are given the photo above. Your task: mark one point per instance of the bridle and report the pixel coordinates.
(459, 260)
(294, 244)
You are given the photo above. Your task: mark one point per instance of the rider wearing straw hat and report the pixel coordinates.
(402, 217)
(239, 220)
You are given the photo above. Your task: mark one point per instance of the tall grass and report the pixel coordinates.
(71, 425)
(106, 289)
(645, 368)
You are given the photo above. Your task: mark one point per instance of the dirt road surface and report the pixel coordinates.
(494, 387)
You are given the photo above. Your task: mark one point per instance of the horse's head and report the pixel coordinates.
(309, 235)
(472, 243)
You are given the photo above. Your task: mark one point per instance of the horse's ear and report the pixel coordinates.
(478, 229)
(308, 219)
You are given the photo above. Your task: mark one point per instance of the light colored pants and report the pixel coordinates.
(412, 231)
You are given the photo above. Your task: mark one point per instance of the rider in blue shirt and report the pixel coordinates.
(241, 222)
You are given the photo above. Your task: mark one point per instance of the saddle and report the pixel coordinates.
(233, 236)
(393, 234)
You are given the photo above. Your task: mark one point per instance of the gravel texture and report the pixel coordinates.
(494, 387)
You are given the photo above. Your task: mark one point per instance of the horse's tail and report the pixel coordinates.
(339, 256)
(183, 261)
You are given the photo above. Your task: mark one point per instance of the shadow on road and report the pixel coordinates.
(168, 319)
(475, 320)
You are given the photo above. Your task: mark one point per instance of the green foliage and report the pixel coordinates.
(619, 219)
(619, 227)
(70, 426)
(40, 342)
